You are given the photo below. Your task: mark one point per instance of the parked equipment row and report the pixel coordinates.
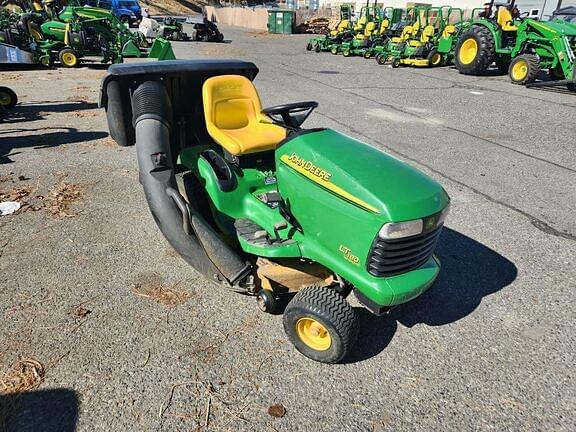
(498, 34)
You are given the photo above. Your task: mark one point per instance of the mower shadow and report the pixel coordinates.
(27, 112)
(470, 272)
(44, 140)
(53, 410)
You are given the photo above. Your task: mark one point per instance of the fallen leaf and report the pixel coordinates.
(82, 312)
(277, 410)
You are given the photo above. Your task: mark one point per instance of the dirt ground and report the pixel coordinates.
(104, 327)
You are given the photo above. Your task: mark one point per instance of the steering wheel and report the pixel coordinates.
(290, 115)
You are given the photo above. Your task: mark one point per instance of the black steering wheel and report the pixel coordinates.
(292, 115)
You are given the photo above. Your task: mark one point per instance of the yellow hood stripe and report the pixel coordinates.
(328, 185)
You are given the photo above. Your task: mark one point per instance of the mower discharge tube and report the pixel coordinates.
(187, 232)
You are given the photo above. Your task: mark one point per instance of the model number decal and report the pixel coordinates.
(348, 254)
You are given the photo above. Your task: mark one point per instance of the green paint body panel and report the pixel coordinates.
(327, 220)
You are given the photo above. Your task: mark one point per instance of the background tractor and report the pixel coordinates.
(519, 45)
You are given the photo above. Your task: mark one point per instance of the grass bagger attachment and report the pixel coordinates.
(261, 206)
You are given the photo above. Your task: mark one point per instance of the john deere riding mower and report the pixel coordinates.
(450, 34)
(261, 206)
(368, 14)
(410, 26)
(375, 33)
(521, 45)
(422, 49)
(342, 30)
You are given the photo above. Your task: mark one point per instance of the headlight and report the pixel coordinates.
(397, 230)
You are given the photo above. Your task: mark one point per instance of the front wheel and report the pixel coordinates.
(435, 58)
(8, 98)
(68, 58)
(321, 324)
(524, 69)
(367, 54)
(309, 47)
(396, 63)
(334, 50)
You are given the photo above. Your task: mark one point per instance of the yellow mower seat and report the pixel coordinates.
(384, 25)
(406, 33)
(425, 37)
(233, 118)
(360, 24)
(505, 20)
(368, 30)
(344, 24)
(449, 30)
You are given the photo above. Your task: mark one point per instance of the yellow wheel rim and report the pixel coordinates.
(468, 51)
(5, 99)
(436, 59)
(69, 59)
(313, 334)
(519, 70)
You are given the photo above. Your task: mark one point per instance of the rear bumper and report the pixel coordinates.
(388, 292)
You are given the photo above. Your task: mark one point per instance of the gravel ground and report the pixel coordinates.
(132, 338)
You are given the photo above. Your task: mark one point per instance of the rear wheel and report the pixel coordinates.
(334, 50)
(346, 53)
(474, 51)
(381, 59)
(68, 58)
(321, 324)
(8, 98)
(317, 48)
(524, 69)
(396, 63)
(367, 54)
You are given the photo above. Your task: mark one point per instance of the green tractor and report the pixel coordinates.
(369, 16)
(373, 35)
(323, 43)
(519, 45)
(296, 217)
(70, 33)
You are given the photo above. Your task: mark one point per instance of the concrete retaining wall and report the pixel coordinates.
(256, 19)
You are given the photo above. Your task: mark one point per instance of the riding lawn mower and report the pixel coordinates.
(342, 30)
(298, 218)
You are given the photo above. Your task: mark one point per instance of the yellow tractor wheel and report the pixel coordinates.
(524, 69)
(321, 324)
(474, 51)
(68, 58)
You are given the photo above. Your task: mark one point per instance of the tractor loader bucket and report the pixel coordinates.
(162, 50)
(130, 49)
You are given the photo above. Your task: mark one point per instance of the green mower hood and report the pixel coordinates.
(363, 176)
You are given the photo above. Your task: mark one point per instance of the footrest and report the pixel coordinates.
(254, 234)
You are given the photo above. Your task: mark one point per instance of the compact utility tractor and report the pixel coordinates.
(261, 206)
(373, 36)
(342, 30)
(520, 45)
(369, 16)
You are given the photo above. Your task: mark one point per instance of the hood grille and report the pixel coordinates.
(393, 257)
